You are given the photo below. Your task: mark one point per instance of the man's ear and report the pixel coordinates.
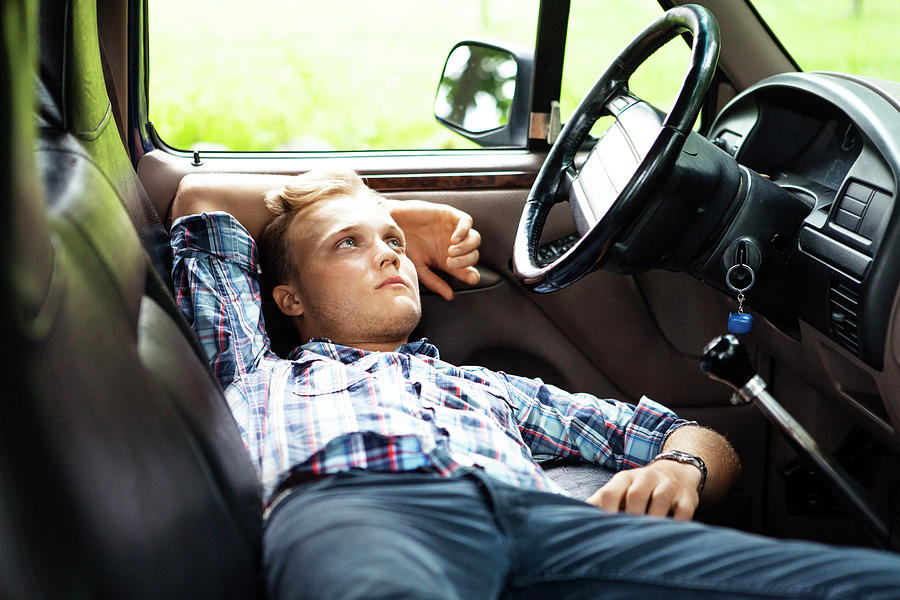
(287, 300)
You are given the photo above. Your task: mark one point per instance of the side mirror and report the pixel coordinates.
(484, 94)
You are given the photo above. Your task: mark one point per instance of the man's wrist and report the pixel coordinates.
(687, 459)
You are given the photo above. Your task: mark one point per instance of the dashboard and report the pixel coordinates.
(833, 142)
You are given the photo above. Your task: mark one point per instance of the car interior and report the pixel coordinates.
(123, 472)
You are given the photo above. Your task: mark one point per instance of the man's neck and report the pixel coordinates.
(375, 346)
(369, 346)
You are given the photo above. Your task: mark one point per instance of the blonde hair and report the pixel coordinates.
(286, 203)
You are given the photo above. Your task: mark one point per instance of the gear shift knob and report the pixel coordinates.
(725, 359)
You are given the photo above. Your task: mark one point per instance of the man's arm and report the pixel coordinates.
(239, 194)
(214, 274)
(617, 434)
(667, 487)
(438, 236)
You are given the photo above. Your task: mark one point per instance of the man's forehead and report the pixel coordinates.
(336, 214)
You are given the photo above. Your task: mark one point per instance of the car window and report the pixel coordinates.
(848, 36)
(598, 32)
(312, 75)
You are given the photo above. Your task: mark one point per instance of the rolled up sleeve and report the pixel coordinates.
(619, 435)
(216, 287)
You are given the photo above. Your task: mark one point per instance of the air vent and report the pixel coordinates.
(843, 304)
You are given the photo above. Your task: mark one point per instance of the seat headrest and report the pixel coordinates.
(71, 93)
(24, 232)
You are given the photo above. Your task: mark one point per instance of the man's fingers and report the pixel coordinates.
(637, 498)
(662, 501)
(470, 259)
(468, 242)
(463, 227)
(608, 500)
(684, 511)
(665, 503)
(436, 284)
(433, 282)
(469, 275)
(611, 496)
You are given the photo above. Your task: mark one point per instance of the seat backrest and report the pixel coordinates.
(123, 473)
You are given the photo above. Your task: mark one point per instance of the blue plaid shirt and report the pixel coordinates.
(330, 408)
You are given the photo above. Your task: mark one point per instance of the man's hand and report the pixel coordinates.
(669, 488)
(663, 488)
(438, 236)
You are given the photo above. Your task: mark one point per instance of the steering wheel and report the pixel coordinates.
(613, 189)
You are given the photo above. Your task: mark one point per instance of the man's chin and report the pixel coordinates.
(406, 318)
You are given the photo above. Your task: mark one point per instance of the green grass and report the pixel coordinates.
(360, 74)
(829, 35)
(335, 74)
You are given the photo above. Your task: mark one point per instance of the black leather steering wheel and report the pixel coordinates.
(610, 192)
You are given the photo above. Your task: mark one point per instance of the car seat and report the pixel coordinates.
(123, 472)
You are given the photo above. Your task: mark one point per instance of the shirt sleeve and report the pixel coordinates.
(216, 287)
(619, 435)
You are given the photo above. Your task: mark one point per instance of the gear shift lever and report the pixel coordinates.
(725, 360)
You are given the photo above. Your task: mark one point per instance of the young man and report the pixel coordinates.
(390, 473)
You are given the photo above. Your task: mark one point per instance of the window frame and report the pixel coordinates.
(143, 138)
(546, 83)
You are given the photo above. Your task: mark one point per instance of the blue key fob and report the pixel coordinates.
(739, 323)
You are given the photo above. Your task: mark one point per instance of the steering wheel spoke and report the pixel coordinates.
(612, 163)
(639, 124)
(618, 103)
(590, 192)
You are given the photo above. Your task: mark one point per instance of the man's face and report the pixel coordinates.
(353, 282)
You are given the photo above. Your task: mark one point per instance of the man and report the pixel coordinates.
(390, 473)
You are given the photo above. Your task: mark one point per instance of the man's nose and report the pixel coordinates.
(386, 256)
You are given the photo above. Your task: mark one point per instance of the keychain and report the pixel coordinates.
(740, 322)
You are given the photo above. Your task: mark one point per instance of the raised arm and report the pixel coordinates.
(438, 236)
(240, 194)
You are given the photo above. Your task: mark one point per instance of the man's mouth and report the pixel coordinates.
(395, 280)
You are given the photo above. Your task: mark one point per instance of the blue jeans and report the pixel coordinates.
(411, 535)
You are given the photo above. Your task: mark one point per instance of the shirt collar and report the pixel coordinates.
(347, 354)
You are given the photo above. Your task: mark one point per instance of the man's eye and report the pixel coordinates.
(395, 243)
(347, 243)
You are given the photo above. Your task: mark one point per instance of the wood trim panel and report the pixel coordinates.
(450, 181)
(161, 171)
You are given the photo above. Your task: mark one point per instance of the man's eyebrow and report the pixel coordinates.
(342, 231)
(390, 229)
(395, 229)
(326, 238)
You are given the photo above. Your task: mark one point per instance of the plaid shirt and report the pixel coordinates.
(330, 408)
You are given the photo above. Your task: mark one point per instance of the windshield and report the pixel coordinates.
(848, 36)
